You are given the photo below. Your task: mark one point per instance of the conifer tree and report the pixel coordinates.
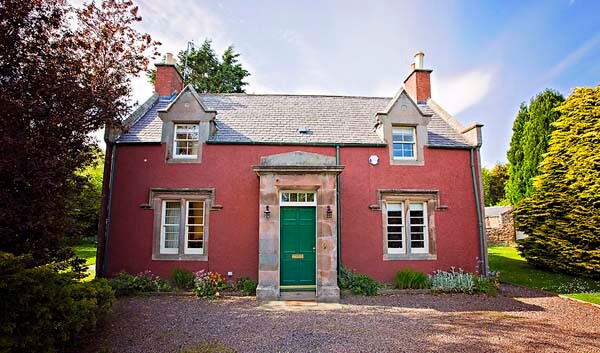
(531, 132)
(514, 185)
(562, 217)
(203, 69)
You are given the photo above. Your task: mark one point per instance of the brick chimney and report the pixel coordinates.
(418, 83)
(168, 79)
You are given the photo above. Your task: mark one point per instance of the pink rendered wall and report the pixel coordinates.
(233, 239)
(457, 237)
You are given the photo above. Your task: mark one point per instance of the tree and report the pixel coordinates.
(65, 72)
(562, 217)
(209, 74)
(84, 204)
(531, 133)
(515, 186)
(494, 183)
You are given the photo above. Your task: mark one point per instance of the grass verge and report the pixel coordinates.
(87, 250)
(514, 269)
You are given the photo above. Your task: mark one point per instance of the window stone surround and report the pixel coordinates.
(403, 112)
(186, 108)
(431, 197)
(155, 203)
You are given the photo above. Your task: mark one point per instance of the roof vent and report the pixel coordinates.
(304, 131)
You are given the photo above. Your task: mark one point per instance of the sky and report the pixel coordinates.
(487, 56)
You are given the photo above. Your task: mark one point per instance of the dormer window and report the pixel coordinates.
(185, 142)
(404, 143)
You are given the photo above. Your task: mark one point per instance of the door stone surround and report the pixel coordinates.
(298, 171)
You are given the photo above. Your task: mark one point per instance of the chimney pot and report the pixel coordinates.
(170, 60)
(419, 60)
(418, 84)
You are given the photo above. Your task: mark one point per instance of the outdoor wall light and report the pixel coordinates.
(329, 212)
(267, 212)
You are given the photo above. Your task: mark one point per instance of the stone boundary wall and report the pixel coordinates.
(504, 234)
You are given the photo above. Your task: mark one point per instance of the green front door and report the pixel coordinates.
(298, 237)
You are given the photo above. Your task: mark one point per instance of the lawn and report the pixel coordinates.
(87, 250)
(514, 269)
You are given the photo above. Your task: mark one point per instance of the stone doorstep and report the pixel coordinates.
(306, 296)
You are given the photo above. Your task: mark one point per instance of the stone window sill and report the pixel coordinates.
(177, 257)
(407, 162)
(392, 257)
(183, 160)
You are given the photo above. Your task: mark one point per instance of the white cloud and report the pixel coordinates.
(458, 93)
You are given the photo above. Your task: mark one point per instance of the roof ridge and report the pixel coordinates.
(292, 95)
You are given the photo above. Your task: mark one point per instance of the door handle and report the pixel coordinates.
(314, 248)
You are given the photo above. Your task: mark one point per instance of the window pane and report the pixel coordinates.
(418, 227)
(173, 229)
(417, 236)
(310, 197)
(172, 205)
(395, 236)
(416, 206)
(171, 244)
(293, 197)
(394, 220)
(302, 197)
(195, 236)
(394, 207)
(395, 244)
(195, 244)
(285, 197)
(417, 244)
(394, 229)
(193, 150)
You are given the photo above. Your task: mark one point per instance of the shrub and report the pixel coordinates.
(459, 281)
(208, 284)
(358, 283)
(246, 285)
(44, 308)
(484, 285)
(453, 281)
(144, 282)
(182, 278)
(410, 279)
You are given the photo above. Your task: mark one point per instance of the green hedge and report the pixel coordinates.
(44, 308)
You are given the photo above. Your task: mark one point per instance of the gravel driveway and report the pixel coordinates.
(519, 320)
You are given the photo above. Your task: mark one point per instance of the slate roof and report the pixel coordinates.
(264, 118)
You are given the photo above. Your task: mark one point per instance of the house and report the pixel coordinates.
(286, 188)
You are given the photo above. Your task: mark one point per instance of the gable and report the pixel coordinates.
(187, 107)
(403, 110)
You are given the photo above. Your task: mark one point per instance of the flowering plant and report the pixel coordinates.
(208, 284)
(127, 284)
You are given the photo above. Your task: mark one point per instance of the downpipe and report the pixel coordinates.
(482, 257)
